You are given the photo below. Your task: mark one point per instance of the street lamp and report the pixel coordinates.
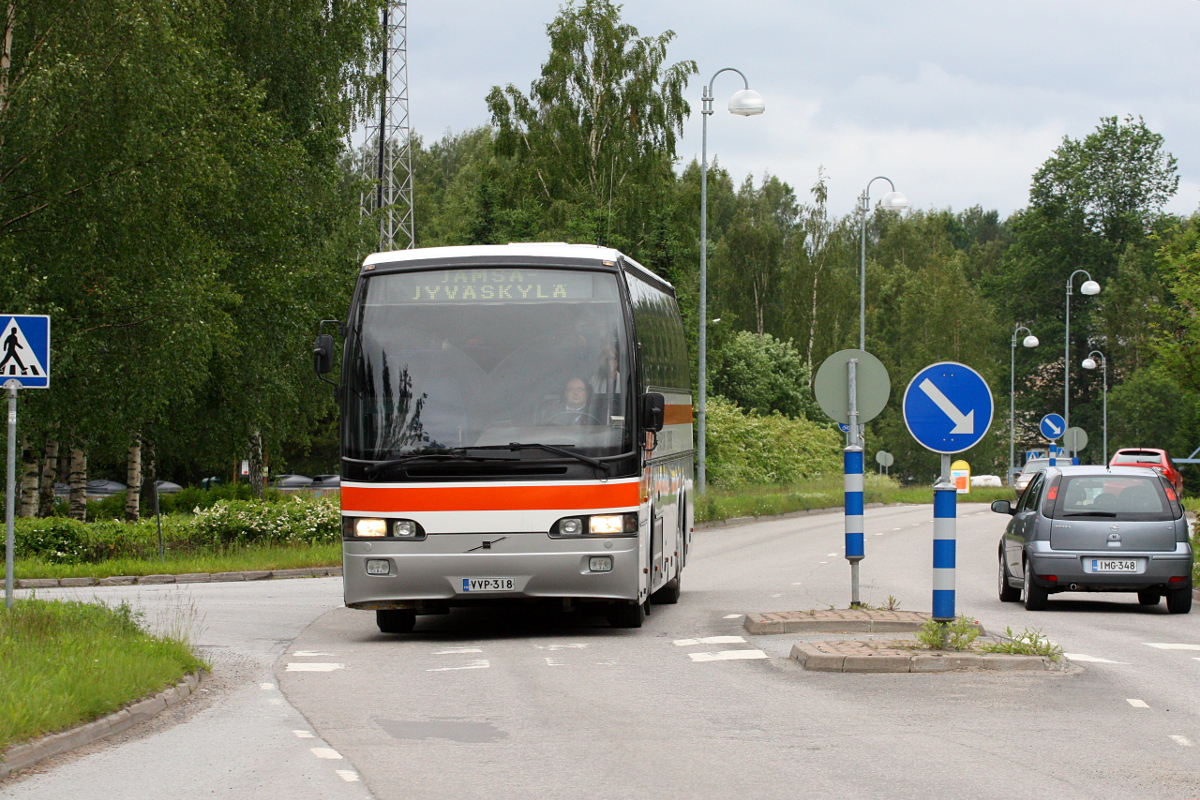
(745, 103)
(1090, 363)
(1089, 287)
(1029, 341)
(892, 201)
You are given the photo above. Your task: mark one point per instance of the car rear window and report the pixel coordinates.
(1130, 498)
(1137, 458)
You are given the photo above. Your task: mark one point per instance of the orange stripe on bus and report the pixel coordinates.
(677, 415)
(382, 499)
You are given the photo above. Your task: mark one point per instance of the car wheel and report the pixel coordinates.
(1008, 593)
(668, 595)
(1149, 597)
(1179, 601)
(395, 620)
(1035, 596)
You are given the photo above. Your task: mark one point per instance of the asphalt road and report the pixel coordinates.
(500, 704)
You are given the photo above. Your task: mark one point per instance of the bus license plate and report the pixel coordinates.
(489, 584)
(1113, 565)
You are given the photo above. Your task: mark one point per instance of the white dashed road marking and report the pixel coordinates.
(739, 616)
(554, 662)
(1171, 646)
(1091, 659)
(310, 666)
(309, 654)
(1182, 741)
(483, 663)
(710, 640)
(304, 735)
(1133, 701)
(348, 775)
(266, 687)
(729, 655)
(326, 752)
(453, 651)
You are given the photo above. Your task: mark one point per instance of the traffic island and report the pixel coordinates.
(835, 620)
(859, 656)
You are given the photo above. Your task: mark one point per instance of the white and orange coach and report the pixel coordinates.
(516, 426)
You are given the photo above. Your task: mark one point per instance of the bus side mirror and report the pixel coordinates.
(654, 407)
(323, 354)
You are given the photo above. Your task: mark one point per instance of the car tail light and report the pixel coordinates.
(1052, 494)
(1177, 579)
(1051, 578)
(1171, 494)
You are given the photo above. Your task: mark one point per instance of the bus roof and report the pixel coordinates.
(544, 250)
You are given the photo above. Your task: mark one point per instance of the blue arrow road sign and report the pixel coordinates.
(25, 350)
(1052, 426)
(948, 407)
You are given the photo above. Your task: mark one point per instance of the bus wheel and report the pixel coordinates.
(627, 615)
(395, 620)
(668, 595)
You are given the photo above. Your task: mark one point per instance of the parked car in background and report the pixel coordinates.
(1027, 472)
(1149, 457)
(986, 481)
(1096, 529)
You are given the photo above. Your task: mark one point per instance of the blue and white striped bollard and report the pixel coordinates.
(853, 461)
(945, 505)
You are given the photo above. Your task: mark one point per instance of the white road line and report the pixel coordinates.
(309, 654)
(729, 655)
(1091, 659)
(453, 651)
(554, 662)
(1133, 701)
(553, 647)
(313, 666)
(1182, 741)
(739, 616)
(776, 595)
(481, 664)
(348, 775)
(274, 701)
(879, 534)
(1171, 646)
(895, 529)
(326, 752)
(822, 562)
(304, 735)
(266, 687)
(710, 640)
(831, 555)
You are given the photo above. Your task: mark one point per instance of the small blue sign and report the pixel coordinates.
(948, 407)
(844, 427)
(25, 350)
(1052, 426)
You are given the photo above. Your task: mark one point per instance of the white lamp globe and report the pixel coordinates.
(894, 201)
(1090, 287)
(1031, 341)
(747, 103)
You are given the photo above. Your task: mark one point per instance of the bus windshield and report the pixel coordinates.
(481, 357)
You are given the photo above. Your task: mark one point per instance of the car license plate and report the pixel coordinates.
(489, 584)
(1113, 565)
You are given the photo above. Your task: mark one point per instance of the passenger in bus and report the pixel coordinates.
(572, 409)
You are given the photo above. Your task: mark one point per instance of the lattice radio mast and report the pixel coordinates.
(389, 166)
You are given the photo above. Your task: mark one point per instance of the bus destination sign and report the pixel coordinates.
(495, 285)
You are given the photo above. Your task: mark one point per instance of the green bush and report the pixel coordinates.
(55, 540)
(185, 501)
(296, 520)
(753, 449)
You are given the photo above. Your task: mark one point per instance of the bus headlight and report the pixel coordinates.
(570, 527)
(596, 525)
(404, 528)
(607, 523)
(370, 527)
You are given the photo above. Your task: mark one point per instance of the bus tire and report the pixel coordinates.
(393, 620)
(668, 595)
(630, 614)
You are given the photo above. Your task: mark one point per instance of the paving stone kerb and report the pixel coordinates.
(842, 620)
(190, 577)
(23, 756)
(853, 656)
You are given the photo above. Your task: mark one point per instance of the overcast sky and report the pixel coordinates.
(957, 101)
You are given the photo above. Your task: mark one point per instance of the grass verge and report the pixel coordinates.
(64, 663)
(227, 559)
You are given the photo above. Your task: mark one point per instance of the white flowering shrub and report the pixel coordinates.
(55, 540)
(297, 520)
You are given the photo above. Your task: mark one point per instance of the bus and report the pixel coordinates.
(516, 427)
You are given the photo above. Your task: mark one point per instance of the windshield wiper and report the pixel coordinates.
(549, 448)
(441, 454)
(1092, 514)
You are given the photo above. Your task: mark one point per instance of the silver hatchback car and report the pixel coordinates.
(1096, 529)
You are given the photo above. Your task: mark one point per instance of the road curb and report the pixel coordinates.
(858, 657)
(841, 620)
(190, 577)
(23, 756)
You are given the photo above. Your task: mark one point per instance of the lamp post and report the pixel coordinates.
(1029, 341)
(892, 201)
(1090, 288)
(745, 103)
(1090, 363)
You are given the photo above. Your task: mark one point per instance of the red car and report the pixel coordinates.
(1149, 457)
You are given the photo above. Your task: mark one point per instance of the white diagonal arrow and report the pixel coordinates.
(963, 423)
(1053, 428)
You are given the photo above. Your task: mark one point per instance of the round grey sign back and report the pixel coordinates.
(831, 386)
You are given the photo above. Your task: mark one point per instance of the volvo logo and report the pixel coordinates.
(1114, 537)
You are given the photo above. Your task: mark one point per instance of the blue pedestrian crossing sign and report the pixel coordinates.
(948, 407)
(1052, 426)
(25, 350)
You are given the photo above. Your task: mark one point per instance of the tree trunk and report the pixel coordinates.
(133, 481)
(6, 56)
(77, 478)
(27, 506)
(49, 476)
(256, 464)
